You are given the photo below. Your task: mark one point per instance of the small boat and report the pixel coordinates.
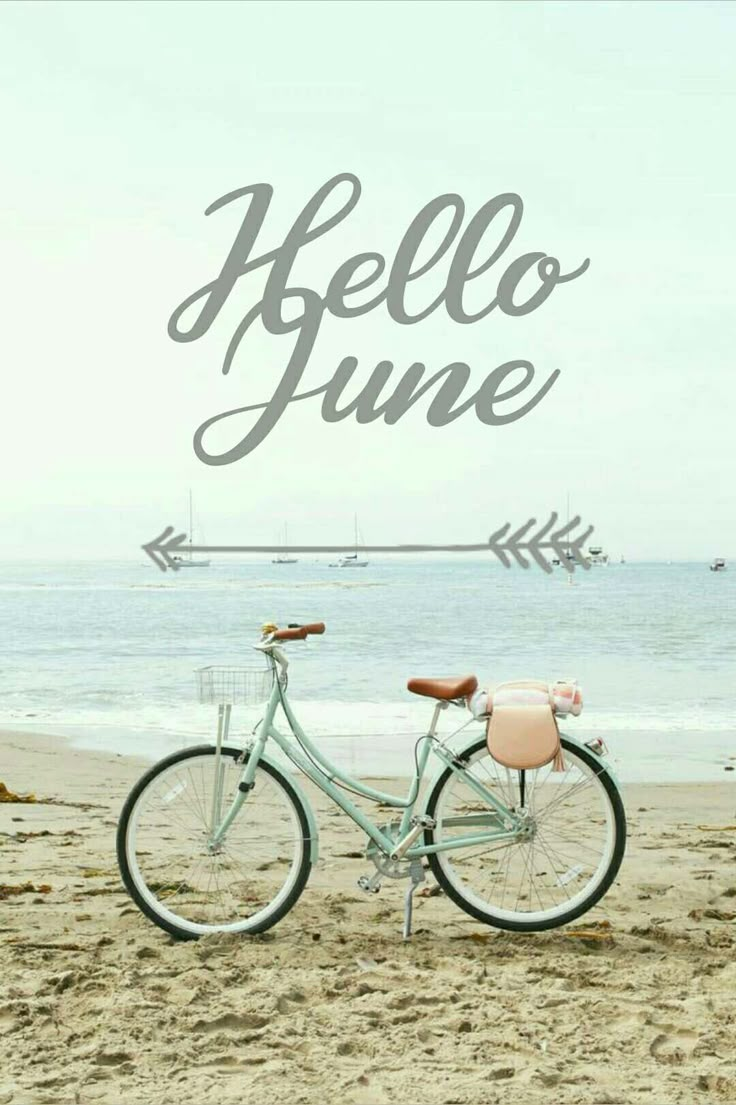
(351, 560)
(284, 558)
(718, 565)
(189, 561)
(597, 556)
(622, 561)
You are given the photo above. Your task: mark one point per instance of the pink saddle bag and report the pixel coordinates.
(524, 736)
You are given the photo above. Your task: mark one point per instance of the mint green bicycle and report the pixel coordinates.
(222, 839)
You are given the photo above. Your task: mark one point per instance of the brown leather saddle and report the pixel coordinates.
(446, 689)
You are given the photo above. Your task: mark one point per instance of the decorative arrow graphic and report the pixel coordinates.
(518, 545)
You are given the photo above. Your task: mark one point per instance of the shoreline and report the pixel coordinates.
(647, 757)
(53, 743)
(331, 1005)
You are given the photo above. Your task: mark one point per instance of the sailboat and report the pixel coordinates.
(189, 560)
(351, 560)
(569, 564)
(284, 558)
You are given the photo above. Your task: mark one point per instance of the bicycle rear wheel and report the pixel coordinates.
(175, 876)
(561, 867)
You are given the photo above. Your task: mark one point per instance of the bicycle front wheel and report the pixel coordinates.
(183, 883)
(558, 868)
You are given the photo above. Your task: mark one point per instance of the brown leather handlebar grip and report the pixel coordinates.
(315, 627)
(297, 634)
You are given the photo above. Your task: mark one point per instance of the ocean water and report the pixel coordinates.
(105, 652)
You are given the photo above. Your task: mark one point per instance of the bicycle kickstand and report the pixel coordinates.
(416, 876)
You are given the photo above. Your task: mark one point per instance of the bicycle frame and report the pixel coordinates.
(317, 767)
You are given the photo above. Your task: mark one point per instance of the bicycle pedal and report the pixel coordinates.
(369, 885)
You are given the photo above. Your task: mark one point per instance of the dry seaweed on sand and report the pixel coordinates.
(8, 890)
(9, 796)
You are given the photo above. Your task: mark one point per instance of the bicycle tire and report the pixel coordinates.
(128, 869)
(488, 917)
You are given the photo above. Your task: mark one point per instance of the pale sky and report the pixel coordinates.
(123, 122)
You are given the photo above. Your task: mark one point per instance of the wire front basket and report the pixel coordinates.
(228, 686)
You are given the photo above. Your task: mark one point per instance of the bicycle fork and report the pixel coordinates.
(223, 729)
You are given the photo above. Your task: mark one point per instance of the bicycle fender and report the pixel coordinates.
(311, 819)
(605, 760)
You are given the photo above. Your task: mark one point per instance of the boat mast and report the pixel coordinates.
(567, 565)
(190, 524)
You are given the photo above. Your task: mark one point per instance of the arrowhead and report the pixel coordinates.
(160, 549)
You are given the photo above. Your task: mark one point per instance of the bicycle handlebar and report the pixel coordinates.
(298, 632)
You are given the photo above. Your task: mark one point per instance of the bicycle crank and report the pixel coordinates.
(418, 825)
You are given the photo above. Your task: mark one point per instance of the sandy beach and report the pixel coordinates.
(634, 1003)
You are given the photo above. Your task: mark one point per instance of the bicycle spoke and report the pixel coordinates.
(192, 880)
(561, 850)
